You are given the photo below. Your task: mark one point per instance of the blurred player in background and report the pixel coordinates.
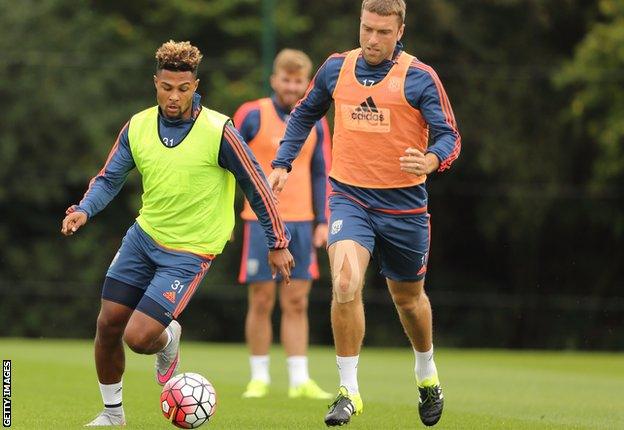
(387, 105)
(189, 158)
(302, 205)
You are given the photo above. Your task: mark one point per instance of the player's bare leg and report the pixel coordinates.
(259, 334)
(258, 329)
(414, 311)
(348, 260)
(109, 352)
(110, 361)
(294, 324)
(146, 335)
(294, 331)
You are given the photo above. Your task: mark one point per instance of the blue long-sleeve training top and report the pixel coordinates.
(109, 181)
(249, 126)
(421, 93)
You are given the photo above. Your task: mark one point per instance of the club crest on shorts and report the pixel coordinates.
(252, 266)
(336, 226)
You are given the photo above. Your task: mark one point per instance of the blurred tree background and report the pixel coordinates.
(527, 225)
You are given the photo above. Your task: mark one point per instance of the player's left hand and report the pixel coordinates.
(281, 261)
(320, 236)
(418, 163)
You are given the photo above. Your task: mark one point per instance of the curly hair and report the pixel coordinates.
(178, 57)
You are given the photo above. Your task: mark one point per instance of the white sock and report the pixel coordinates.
(260, 367)
(425, 366)
(297, 370)
(347, 369)
(111, 396)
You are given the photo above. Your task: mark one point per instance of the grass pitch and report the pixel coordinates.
(55, 387)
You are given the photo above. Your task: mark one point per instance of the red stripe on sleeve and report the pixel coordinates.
(336, 55)
(242, 275)
(265, 193)
(266, 196)
(310, 86)
(328, 161)
(102, 171)
(448, 113)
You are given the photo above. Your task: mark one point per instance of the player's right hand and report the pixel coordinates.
(319, 238)
(73, 221)
(277, 179)
(282, 261)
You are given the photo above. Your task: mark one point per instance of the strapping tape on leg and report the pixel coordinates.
(345, 289)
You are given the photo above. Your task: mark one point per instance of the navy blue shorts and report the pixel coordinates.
(255, 263)
(399, 243)
(165, 279)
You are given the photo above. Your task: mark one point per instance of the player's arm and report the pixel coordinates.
(425, 92)
(246, 119)
(103, 187)
(311, 108)
(235, 156)
(319, 171)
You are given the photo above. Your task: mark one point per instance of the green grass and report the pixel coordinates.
(55, 386)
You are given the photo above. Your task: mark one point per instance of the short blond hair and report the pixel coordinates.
(178, 56)
(292, 61)
(386, 8)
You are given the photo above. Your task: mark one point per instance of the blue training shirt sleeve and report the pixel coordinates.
(110, 179)
(247, 120)
(426, 93)
(319, 171)
(311, 108)
(235, 156)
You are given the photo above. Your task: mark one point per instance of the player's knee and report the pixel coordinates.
(109, 326)
(295, 305)
(261, 302)
(138, 342)
(407, 300)
(346, 289)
